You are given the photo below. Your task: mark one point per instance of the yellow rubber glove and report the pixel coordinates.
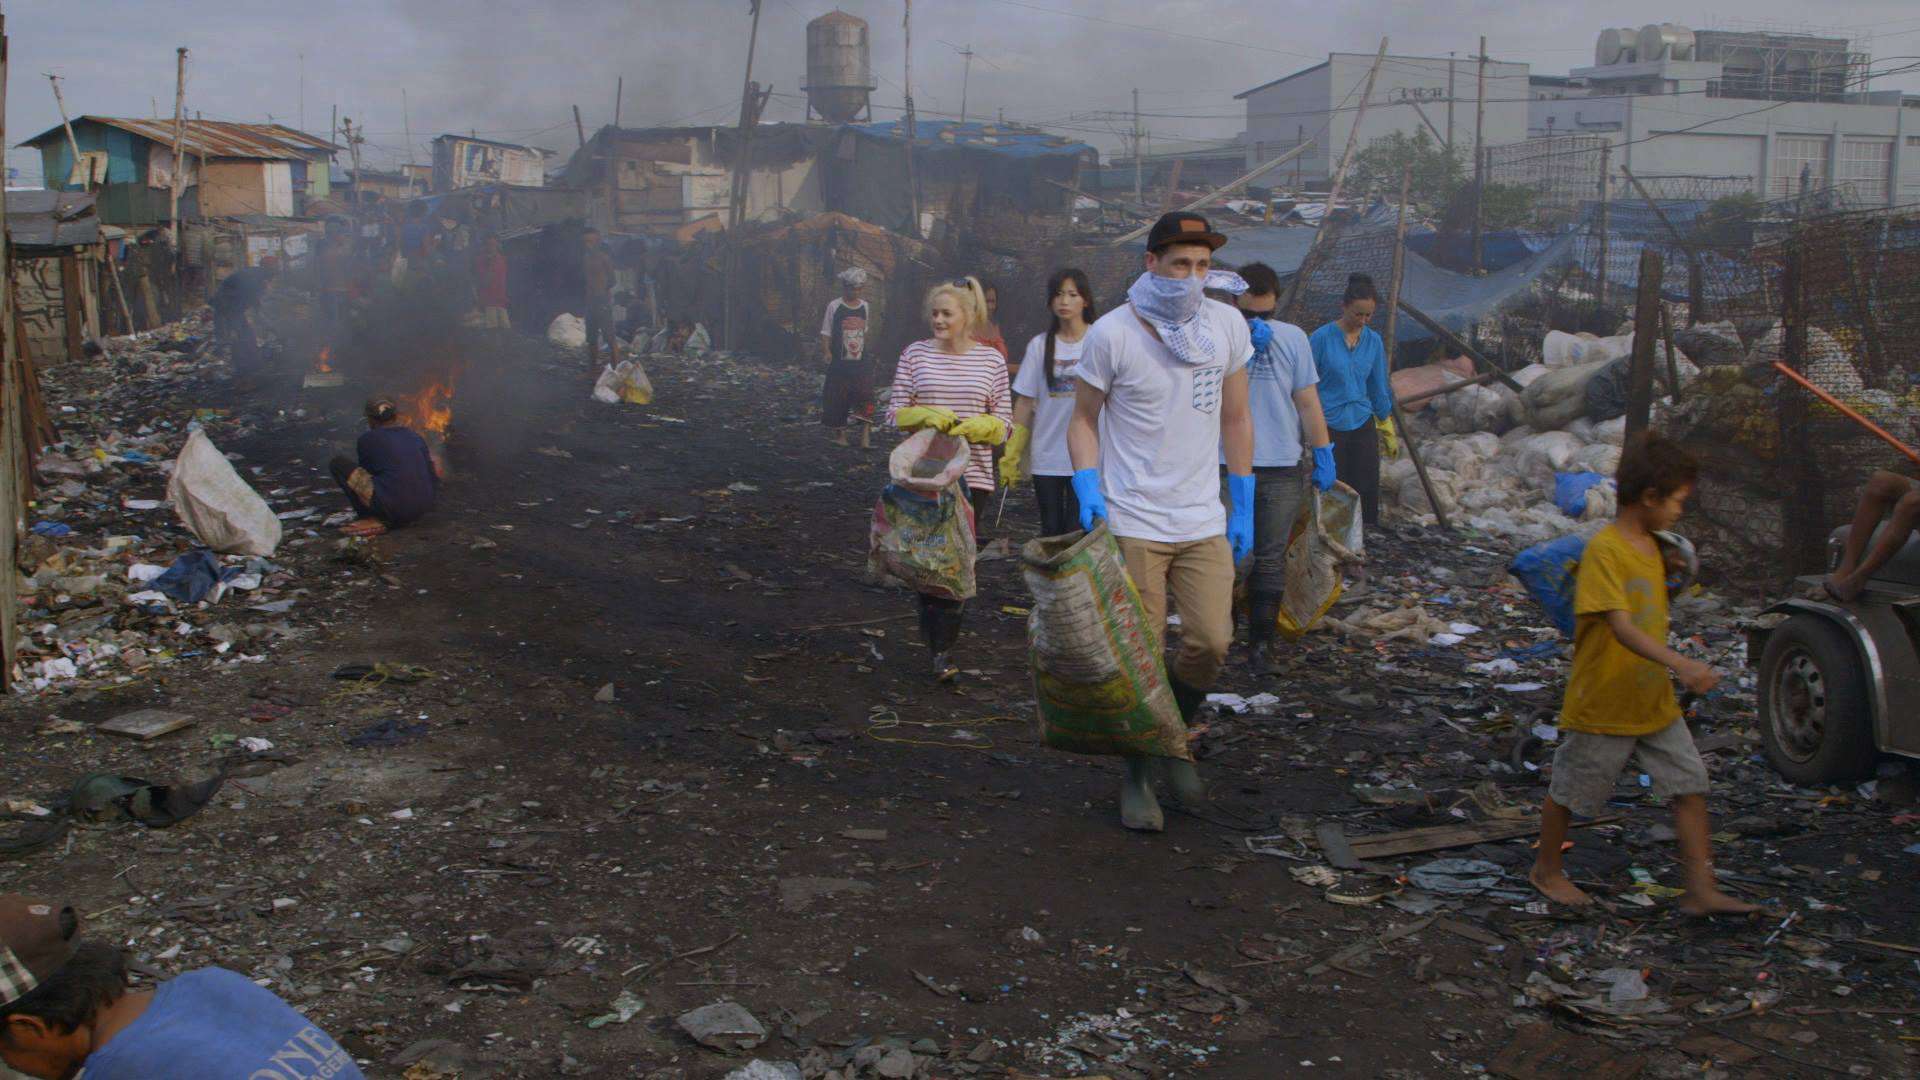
(1013, 463)
(985, 430)
(1389, 439)
(915, 417)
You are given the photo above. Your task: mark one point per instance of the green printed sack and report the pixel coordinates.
(1098, 671)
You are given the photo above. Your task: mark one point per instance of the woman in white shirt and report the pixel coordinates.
(1043, 394)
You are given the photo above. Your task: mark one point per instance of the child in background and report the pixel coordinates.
(1620, 702)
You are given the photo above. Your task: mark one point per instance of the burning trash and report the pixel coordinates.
(429, 411)
(322, 374)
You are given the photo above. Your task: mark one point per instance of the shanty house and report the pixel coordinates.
(461, 161)
(1000, 181)
(679, 181)
(231, 169)
(54, 242)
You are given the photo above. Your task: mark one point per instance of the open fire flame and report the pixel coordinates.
(323, 361)
(430, 409)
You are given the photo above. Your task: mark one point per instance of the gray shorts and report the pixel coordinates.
(1586, 766)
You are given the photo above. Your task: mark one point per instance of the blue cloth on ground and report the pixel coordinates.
(191, 577)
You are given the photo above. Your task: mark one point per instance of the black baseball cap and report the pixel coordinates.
(1183, 228)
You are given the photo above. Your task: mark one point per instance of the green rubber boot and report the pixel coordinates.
(1181, 776)
(1138, 808)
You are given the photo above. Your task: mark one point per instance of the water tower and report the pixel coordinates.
(839, 77)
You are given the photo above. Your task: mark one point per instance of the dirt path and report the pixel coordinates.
(775, 807)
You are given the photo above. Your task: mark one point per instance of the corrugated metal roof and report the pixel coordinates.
(991, 138)
(51, 218)
(215, 138)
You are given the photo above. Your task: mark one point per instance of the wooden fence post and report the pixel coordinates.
(1646, 334)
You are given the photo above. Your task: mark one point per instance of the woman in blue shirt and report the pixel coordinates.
(1355, 394)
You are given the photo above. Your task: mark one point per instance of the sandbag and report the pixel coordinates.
(625, 381)
(1326, 540)
(1559, 349)
(1571, 491)
(1549, 571)
(1412, 494)
(922, 532)
(1099, 671)
(216, 505)
(1534, 459)
(567, 331)
(1559, 397)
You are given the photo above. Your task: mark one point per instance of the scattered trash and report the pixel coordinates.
(1456, 876)
(723, 1026)
(624, 1008)
(219, 507)
(144, 724)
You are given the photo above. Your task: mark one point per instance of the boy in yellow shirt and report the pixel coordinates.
(1619, 700)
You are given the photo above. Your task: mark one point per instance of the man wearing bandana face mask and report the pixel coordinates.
(1163, 393)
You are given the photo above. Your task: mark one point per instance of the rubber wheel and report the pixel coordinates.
(1814, 713)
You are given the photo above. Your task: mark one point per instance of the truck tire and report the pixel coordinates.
(1814, 713)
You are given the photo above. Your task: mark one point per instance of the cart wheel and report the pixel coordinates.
(1813, 704)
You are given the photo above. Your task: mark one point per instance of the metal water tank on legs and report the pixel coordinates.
(839, 75)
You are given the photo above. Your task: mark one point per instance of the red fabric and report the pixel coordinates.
(490, 279)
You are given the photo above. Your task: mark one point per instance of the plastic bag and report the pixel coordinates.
(1573, 490)
(1327, 539)
(1559, 397)
(1549, 571)
(625, 381)
(922, 532)
(1099, 672)
(567, 331)
(216, 505)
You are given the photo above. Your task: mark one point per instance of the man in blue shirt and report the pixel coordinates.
(1283, 390)
(65, 1005)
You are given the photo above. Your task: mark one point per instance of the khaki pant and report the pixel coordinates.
(1198, 575)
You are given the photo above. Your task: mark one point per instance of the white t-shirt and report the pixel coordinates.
(1160, 429)
(1052, 402)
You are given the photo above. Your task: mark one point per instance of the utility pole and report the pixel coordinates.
(579, 129)
(354, 139)
(1136, 145)
(1479, 157)
(742, 177)
(906, 86)
(619, 91)
(1606, 188)
(179, 133)
(966, 77)
(73, 144)
(406, 124)
(303, 91)
(1449, 104)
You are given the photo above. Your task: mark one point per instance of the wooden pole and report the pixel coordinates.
(406, 125)
(179, 138)
(1393, 326)
(912, 122)
(742, 177)
(619, 92)
(1479, 158)
(579, 129)
(1606, 217)
(73, 144)
(1137, 198)
(1646, 331)
(1428, 395)
(1310, 263)
(1673, 365)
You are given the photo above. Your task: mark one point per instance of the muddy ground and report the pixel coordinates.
(774, 806)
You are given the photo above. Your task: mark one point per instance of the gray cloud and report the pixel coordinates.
(513, 70)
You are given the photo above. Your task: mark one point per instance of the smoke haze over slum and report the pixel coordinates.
(512, 71)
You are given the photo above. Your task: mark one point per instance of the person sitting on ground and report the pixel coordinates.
(1890, 497)
(65, 1004)
(395, 480)
(1619, 701)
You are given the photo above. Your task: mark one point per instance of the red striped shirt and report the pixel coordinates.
(970, 385)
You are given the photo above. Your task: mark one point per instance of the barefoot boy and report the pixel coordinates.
(1619, 701)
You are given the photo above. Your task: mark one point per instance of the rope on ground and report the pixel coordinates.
(882, 719)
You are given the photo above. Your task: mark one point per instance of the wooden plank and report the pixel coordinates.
(146, 724)
(1441, 837)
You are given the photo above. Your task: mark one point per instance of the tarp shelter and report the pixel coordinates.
(55, 269)
(989, 176)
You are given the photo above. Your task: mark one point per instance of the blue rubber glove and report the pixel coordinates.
(1240, 515)
(1093, 505)
(1261, 331)
(1323, 471)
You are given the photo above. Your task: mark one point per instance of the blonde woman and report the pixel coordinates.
(954, 384)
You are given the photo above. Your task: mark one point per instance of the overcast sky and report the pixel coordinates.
(512, 71)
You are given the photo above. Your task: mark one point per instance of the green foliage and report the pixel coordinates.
(1506, 207)
(1436, 174)
(1728, 221)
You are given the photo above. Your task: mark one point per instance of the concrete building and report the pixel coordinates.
(1411, 93)
(1768, 113)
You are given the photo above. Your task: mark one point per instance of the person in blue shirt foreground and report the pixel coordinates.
(1290, 446)
(1352, 361)
(392, 480)
(65, 1005)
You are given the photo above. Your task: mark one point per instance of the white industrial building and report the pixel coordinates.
(1772, 113)
(1411, 93)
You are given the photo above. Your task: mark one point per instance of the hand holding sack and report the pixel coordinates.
(922, 417)
(985, 429)
(1093, 503)
(1013, 463)
(1324, 473)
(1240, 515)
